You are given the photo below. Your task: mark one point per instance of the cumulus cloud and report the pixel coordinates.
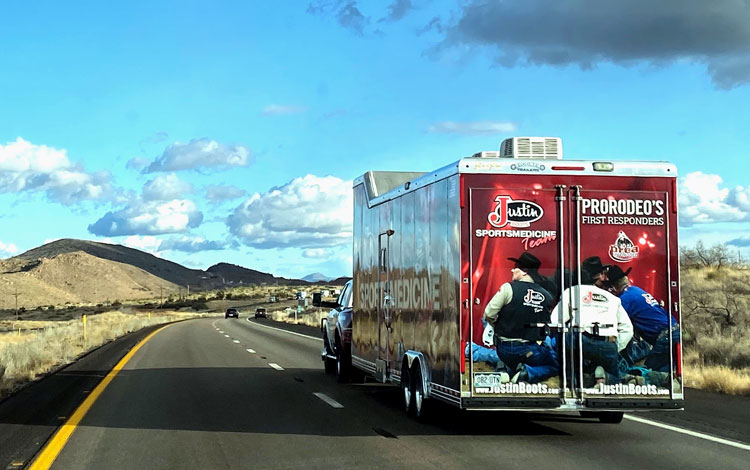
(473, 128)
(137, 163)
(398, 9)
(149, 218)
(276, 109)
(702, 199)
(571, 32)
(307, 212)
(8, 249)
(217, 193)
(149, 244)
(200, 153)
(317, 253)
(346, 12)
(37, 168)
(740, 242)
(165, 188)
(191, 244)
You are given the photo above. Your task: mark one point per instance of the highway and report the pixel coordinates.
(233, 394)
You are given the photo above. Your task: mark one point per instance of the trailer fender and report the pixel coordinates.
(410, 357)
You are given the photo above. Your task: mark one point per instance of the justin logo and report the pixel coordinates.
(514, 213)
(533, 299)
(589, 297)
(623, 249)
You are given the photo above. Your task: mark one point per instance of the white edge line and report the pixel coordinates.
(328, 400)
(237, 341)
(700, 435)
(285, 331)
(251, 351)
(275, 366)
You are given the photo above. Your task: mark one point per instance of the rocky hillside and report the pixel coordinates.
(79, 271)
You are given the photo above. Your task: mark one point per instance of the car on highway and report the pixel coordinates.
(260, 312)
(232, 312)
(336, 329)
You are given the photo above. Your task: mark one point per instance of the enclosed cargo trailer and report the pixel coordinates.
(431, 249)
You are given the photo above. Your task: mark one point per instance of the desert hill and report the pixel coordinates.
(80, 271)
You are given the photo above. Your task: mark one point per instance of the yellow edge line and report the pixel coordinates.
(55, 445)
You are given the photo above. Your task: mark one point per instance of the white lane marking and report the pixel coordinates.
(275, 366)
(226, 336)
(328, 400)
(221, 332)
(251, 351)
(236, 341)
(700, 435)
(285, 331)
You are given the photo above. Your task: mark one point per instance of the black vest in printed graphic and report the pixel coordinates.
(531, 303)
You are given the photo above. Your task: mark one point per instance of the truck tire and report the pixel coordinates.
(417, 391)
(406, 388)
(328, 364)
(343, 361)
(611, 417)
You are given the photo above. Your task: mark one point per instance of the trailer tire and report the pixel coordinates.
(611, 417)
(417, 393)
(406, 388)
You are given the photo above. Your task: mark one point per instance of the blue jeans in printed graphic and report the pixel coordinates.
(658, 358)
(541, 361)
(597, 353)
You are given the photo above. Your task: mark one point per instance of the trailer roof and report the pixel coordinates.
(382, 186)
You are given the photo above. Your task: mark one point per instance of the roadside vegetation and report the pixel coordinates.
(34, 348)
(716, 319)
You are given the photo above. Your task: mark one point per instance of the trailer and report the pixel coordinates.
(431, 249)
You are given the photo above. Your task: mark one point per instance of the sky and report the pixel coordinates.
(208, 132)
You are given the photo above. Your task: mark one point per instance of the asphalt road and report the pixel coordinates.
(216, 393)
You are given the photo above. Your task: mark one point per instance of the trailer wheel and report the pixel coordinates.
(406, 388)
(417, 391)
(611, 417)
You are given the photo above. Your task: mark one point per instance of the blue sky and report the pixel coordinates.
(230, 131)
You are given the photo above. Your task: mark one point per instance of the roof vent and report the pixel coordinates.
(545, 148)
(491, 154)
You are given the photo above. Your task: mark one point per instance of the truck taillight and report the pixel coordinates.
(674, 196)
(678, 358)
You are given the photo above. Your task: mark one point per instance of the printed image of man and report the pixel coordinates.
(606, 327)
(517, 304)
(650, 321)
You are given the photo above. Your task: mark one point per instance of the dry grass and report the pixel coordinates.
(718, 379)
(309, 317)
(25, 356)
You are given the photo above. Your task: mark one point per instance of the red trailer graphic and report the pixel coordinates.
(431, 250)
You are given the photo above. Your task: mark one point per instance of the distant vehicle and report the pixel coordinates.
(260, 313)
(232, 312)
(337, 334)
(273, 298)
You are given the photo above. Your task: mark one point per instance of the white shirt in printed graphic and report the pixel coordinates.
(597, 305)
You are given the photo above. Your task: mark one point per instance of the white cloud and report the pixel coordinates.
(149, 244)
(149, 218)
(217, 193)
(473, 128)
(307, 212)
(137, 163)
(317, 253)
(165, 188)
(191, 244)
(28, 167)
(8, 249)
(702, 200)
(200, 153)
(276, 109)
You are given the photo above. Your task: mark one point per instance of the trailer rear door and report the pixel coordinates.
(562, 225)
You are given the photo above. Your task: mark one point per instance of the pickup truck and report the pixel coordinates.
(336, 329)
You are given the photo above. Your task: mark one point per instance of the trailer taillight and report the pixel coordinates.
(461, 192)
(674, 196)
(678, 358)
(568, 168)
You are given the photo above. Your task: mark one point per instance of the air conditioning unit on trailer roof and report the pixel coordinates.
(545, 148)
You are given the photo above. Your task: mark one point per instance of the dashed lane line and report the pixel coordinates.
(285, 331)
(236, 341)
(700, 435)
(251, 351)
(226, 336)
(329, 400)
(275, 366)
